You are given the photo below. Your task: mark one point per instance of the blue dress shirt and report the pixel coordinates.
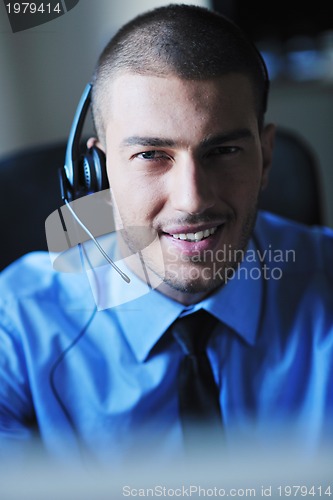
(103, 377)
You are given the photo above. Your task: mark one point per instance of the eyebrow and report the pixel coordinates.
(159, 142)
(148, 141)
(233, 135)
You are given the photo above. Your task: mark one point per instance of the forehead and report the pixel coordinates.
(171, 105)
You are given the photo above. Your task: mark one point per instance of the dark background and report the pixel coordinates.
(278, 19)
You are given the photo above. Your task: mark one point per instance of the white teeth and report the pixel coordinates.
(195, 236)
(199, 235)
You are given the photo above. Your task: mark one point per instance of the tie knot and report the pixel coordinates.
(192, 331)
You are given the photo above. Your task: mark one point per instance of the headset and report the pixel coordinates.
(82, 174)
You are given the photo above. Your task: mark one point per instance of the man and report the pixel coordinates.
(178, 100)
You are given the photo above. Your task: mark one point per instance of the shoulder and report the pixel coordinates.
(33, 277)
(299, 284)
(302, 249)
(27, 273)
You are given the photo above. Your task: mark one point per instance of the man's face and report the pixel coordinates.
(186, 159)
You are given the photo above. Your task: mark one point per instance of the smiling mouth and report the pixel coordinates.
(198, 236)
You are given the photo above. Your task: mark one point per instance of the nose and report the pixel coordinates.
(191, 189)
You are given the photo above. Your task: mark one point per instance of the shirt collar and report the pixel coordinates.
(146, 319)
(143, 313)
(239, 303)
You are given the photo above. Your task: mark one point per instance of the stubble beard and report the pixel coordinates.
(222, 270)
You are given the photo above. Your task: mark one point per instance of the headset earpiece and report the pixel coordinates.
(82, 174)
(92, 171)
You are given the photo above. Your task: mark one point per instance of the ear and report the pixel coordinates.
(93, 141)
(267, 146)
(96, 151)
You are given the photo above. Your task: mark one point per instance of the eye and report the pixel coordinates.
(152, 155)
(224, 150)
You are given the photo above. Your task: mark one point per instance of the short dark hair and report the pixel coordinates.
(188, 41)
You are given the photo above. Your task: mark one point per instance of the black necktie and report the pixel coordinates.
(198, 394)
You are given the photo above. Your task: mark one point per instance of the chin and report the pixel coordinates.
(193, 288)
(196, 280)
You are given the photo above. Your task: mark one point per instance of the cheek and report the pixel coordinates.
(136, 198)
(240, 186)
